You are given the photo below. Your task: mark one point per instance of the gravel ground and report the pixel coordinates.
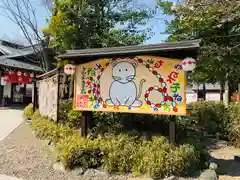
(24, 156)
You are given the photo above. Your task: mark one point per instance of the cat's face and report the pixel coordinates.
(123, 72)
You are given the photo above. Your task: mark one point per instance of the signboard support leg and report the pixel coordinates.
(86, 122)
(172, 129)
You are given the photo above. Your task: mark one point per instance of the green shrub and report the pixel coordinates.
(46, 129)
(28, 112)
(158, 159)
(120, 153)
(125, 154)
(210, 115)
(234, 124)
(74, 119)
(36, 115)
(64, 107)
(136, 124)
(79, 151)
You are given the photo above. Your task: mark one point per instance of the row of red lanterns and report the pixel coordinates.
(19, 73)
(17, 77)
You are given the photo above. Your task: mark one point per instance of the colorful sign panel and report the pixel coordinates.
(142, 84)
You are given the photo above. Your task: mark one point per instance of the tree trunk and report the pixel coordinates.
(204, 91)
(222, 84)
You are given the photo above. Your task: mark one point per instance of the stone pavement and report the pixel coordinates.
(10, 119)
(3, 177)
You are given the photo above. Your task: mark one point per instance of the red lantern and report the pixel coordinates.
(20, 79)
(19, 73)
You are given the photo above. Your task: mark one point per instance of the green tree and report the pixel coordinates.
(217, 24)
(96, 23)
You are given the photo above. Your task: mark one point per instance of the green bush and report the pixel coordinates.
(134, 124)
(125, 154)
(122, 153)
(68, 116)
(46, 129)
(36, 115)
(74, 119)
(79, 151)
(65, 106)
(158, 159)
(28, 112)
(234, 124)
(211, 116)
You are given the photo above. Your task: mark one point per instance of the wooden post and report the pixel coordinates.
(86, 122)
(58, 92)
(172, 129)
(34, 95)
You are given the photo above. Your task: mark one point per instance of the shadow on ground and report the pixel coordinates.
(223, 155)
(229, 167)
(213, 144)
(13, 107)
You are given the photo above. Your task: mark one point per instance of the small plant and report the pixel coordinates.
(74, 119)
(36, 115)
(28, 112)
(46, 129)
(65, 107)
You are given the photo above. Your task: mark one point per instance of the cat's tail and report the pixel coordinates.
(140, 88)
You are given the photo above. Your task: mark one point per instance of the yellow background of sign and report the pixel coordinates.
(93, 82)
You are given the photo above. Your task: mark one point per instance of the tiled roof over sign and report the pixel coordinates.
(191, 44)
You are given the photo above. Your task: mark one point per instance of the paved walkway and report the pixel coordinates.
(10, 119)
(3, 177)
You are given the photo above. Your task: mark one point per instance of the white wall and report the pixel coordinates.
(191, 97)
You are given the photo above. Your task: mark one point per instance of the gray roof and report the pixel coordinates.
(10, 52)
(11, 63)
(13, 53)
(191, 44)
(7, 50)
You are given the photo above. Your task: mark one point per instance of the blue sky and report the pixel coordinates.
(10, 31)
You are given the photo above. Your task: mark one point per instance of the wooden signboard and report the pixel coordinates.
(141, 84)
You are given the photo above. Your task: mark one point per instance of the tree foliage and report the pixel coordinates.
(217, 24)
(96, 23)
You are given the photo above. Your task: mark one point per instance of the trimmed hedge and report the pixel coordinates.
(122, 153)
